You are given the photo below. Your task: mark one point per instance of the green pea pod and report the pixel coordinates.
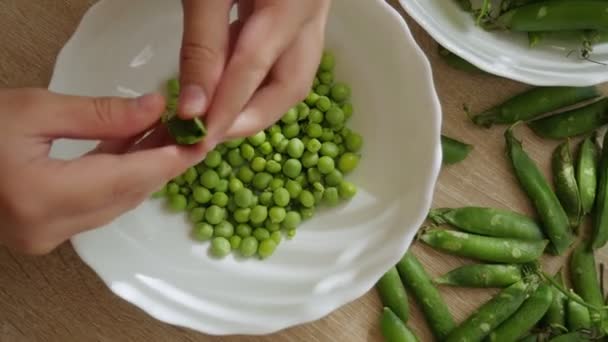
(585, 280)
(392, 293)
(185, 132)
(491, 314)
(456, 61)
(586, 175)
(556, 314)
(454, 151)
(482, 275)
(600, 219)
(554, 218)
(557, 16)
(573, 122)
(534, 38)
(426, 294)
(570, 337)
(564, 179)
(526, 317)
(393, 329)
(500, 250)
(578, 316)
(532, 103)
(530, 338)
(489, 221)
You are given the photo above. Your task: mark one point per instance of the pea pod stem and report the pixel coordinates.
(573, 122)
(454, 151)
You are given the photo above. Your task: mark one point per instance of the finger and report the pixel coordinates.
(291, 81)
(117, 146)
(263, 39)
(103, 118)
(203, 53)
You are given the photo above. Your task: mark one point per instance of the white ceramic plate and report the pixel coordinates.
(507, 54)
(147, 257)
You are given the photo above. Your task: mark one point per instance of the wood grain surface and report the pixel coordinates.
(58, 298)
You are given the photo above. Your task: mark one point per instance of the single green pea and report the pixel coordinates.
(292, 220)
(265, 148)
(348, 162)
(272, 166)
(338, 140)
(235, 242)
(241, 215)
(209, 179)
(213, 159)
(276, 138)
(345, 132)
(318, 195)
(272, 227)
(243, 230)
(222, 186)
(247, 151)
(274, 129)
(323, 90)
(190, 175)
(245, 174)
(172, 189)
(282, 146)
(220, 199)
(258, 164)
(291, 233)
(235, 184)
(329, 149)
(331, 196)
(314, 175)
(292, 168)
(326, 165)
(220, 247)
(196, 215)
(261, 180)
(340, 92)
(276, 183)
(335, 116)
(291, 116)
(277, 237)
(177, 202)
(179, 180)
(249, 246)
(291, 130)
(214, 214)
(310, 159)
(307, 213)
(222, 149)
(203, 231)
(328, 62)
(234, 158)
(261, 234)
(201, 194)
(306, 199)
(201, 167)
(314, 130)
(243, 198)
(295, 148)
(281, 197)
(294, 187)
(267, 248)
(185, 190)
(277, 157)
(334, 178)
(326, 77)
(316, 116)
(258, 214)
(348, 110)
(347, 190)
(265, 198)
(234, 143)
(313, 145)
(354, 142)
(224, 229)
(224, 170)
(303, 110)
(328, 135)
(257, 139)
(277, 214)
(312, 98)
(323, 104)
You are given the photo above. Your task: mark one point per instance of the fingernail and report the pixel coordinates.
(192, 101)
(148, 101)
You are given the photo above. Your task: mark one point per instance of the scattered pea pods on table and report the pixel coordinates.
(489, 221)
(454, 151)
(585, 280)
(392, 293)
(491, 249)
(572, 123)
(586, 172)
(525, 318)
(426, 294)
(533, 103)
(491, 314)
(482, 275)
(564, 179)
(394, 329)
(600, 219)
(553, 216)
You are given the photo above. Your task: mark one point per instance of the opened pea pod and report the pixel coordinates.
(566, 187)
(482, 275)
(185, 132)
(586, 172)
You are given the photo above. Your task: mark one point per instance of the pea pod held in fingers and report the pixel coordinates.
(564, 179)
(393, 329)
(454, 151)
(534, 102)
(573, 122)
(586, 173)
(485, 248)
(482, 275)
(419, 284)
(583, 273)
(552, 214)
(491, 314)
(392, 293)
(526, 317)
(185, 132)
(557, 16)
(600, 219)
(489, 221)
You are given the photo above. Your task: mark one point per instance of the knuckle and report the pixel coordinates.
(194, 53)
(103, 108)
(255, 63)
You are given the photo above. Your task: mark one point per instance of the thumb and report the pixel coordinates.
(103, 118)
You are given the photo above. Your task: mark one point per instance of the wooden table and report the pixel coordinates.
(58, 298)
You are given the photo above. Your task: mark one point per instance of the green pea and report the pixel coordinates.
(177, 203)
(276, 138)
(209, 179)
(247, 151)
(249, 246)
(224, 229)
(347, 190)
(282, 146)
(329, 149)
(234, 158)
(335, 116)
(314, 175)
(220, 199)
(338, 141)
(292, 220)
(334, 178)
(481, 276)
(328, 135)
(213, 159)
(245, 174)
(234, 143)
(224, 170)
(325, 165)
(291, 130)
(261, 234)
(243, 230)
(272, 226)
(307, 199)
(291, 233)
(172, 189)
(331, 197)
(235, 185)
(185, 190)
(326, 77)
(340, 92)
(312, 98)
(267, 248)
(221, 148)
(277, 237)
(392, 293)
(310, 159)
(323, 90)
(201, 195)
(203, 231)
(190, 175)
(179, 180)
(294, 188)
(328, 61)
(316, 116)
(196, 215)
(261, 180)
(222, 186)
(220, 247)
(214, 214)
(303, 110)
(301, 180)
(241, 215)
(295, 148)
(281, 197)
(265, 149)
(348, 110)
(292, 168)
(323, 103)
(314, 130)
(307, 213)
(191, 203)
(265, 198)
(276, 183)
(257, 139)
(354, 142)
(348, 162)
(235, 242)
(274, 129)
(277, 214)
(314, 145)
(291, 116)
(258, 214)
(272, 166)
(243, 198)
(394, 329)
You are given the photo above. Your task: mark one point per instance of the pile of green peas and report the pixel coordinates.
(249, 192)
